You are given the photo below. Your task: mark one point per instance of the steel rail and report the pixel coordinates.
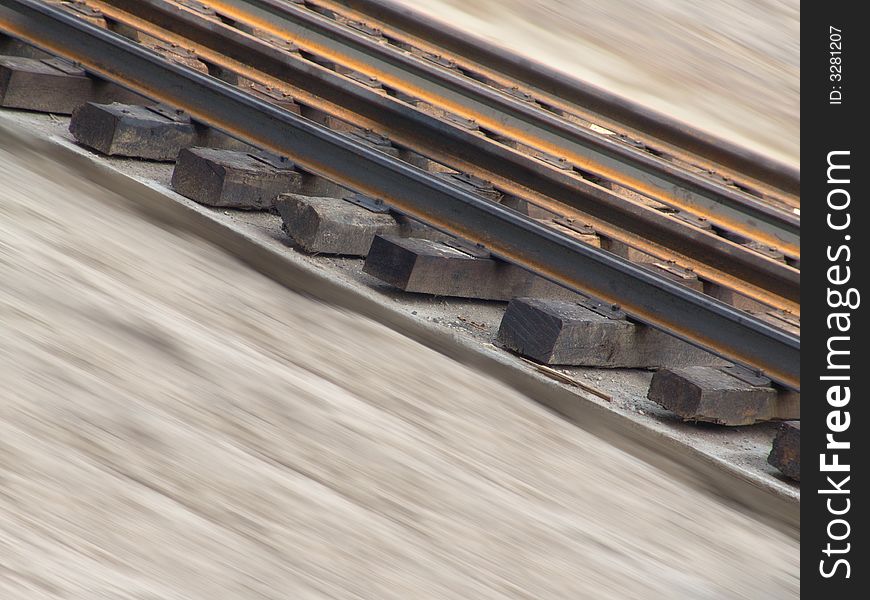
(712, 257)
(731, 210)
(690, 315)
(651, 126)
(691, 155)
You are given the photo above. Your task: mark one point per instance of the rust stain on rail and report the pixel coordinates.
(523, 137)
(701, 269)
(575, 110)
(499, 247)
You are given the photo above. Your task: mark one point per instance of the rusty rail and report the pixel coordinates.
(726, 208)
(663, 304)
(558, 89)
(711, 257)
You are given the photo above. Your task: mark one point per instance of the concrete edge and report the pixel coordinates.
(775, 506)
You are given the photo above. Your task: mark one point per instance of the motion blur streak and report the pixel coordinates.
(731, 67)
(174, 425)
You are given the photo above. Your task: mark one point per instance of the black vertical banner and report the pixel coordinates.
(835, 236)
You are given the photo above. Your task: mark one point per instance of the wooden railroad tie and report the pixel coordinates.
(10, 46)
(343, 226)
(786, 452)
(37, 82)
(728, 395)
(232, 179)
(452, 269)
(46, 85)
(149, 132)
(588, 333)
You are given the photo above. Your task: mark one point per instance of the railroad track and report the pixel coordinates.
(560, 162)
(567, 97)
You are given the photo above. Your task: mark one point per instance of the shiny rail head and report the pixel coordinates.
(391, 15)
(731, 210)
(514, 237)
(775, 287)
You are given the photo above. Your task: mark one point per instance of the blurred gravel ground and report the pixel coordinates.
(173, 425)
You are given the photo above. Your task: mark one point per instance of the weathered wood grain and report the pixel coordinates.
(130, 130)
(558, 332)
(786, 452)
(436, 268)
(336, 226)
(714, 394)
(46, 85)
(233, 179)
